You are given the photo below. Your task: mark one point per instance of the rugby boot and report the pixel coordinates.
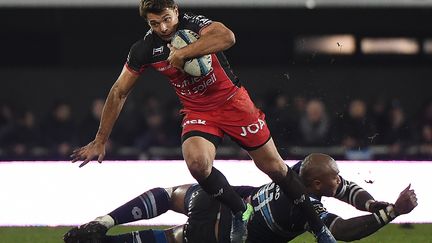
(239, 225)
(325, 236)
(92, 232)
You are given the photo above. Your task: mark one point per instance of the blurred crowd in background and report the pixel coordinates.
(151, 130)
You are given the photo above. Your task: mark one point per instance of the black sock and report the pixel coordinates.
(218, 187)
(294, 188)
(147, 205)
(147, 236)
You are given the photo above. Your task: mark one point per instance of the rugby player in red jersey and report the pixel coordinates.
(213, 105)
(276, 218)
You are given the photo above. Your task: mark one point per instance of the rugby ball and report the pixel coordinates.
(199, 66)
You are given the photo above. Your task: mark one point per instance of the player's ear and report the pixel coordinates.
(316, 184)
(176, 10)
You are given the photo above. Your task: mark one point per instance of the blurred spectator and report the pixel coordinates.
(128, 126)
(6, 116)
(90, 124)
(153, 123)
(7, 122)
(294, 122)
(155, 134)
(425, 142)
(23, 137)
(299, 105)
(426, 114)
(173, 124)
(379, 117)
(356, 131)
(314, 125)
(397, 132)
(280, 121)
(59, 130)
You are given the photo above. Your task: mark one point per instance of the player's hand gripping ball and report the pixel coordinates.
(199, 66)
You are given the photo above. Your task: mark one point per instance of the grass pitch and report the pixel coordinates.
(418, 233)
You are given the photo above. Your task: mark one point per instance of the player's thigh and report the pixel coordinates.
(267, 159)
(178, 196)
(199, 139)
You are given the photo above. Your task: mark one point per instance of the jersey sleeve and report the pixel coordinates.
(352, 194)
(137, 60)
(195, 22)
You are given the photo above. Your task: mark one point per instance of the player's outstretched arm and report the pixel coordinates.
(113, 105)
(358, 197)
(360, 227)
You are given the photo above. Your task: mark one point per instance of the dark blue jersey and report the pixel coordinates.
(278, 219)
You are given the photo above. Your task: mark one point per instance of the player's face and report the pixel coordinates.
(330, 183)
(165, 23)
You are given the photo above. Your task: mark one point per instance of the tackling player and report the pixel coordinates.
(276, 218)
(214, 105)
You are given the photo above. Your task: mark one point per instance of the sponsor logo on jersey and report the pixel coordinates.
(252, 128)
(195, 85)
(195, 121)
(219, 193)
(301, 199)
(158, 51)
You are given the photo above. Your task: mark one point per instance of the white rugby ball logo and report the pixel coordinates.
(199, 66)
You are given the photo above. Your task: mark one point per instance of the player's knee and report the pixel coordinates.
(199, 166)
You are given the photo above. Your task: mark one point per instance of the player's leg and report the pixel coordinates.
(208, 219)
(199, 153)
(246, 125)
(147, 205)
(268, 160)
(172, 235)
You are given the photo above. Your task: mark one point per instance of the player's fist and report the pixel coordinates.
(406, 201)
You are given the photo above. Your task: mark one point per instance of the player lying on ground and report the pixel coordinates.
(276, 218)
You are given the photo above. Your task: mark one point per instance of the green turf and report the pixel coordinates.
(420, 233)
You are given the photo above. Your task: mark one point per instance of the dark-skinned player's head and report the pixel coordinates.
(320, 174)
(161, 15)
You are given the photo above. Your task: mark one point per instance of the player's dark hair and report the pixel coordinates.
(154, 6)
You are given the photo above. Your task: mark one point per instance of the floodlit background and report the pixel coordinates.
(59, 193)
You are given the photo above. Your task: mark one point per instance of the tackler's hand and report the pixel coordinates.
(406, 201)
(88, 152)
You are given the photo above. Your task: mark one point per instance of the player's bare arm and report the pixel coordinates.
(214, 38)
(360, 227)
(113, 105)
